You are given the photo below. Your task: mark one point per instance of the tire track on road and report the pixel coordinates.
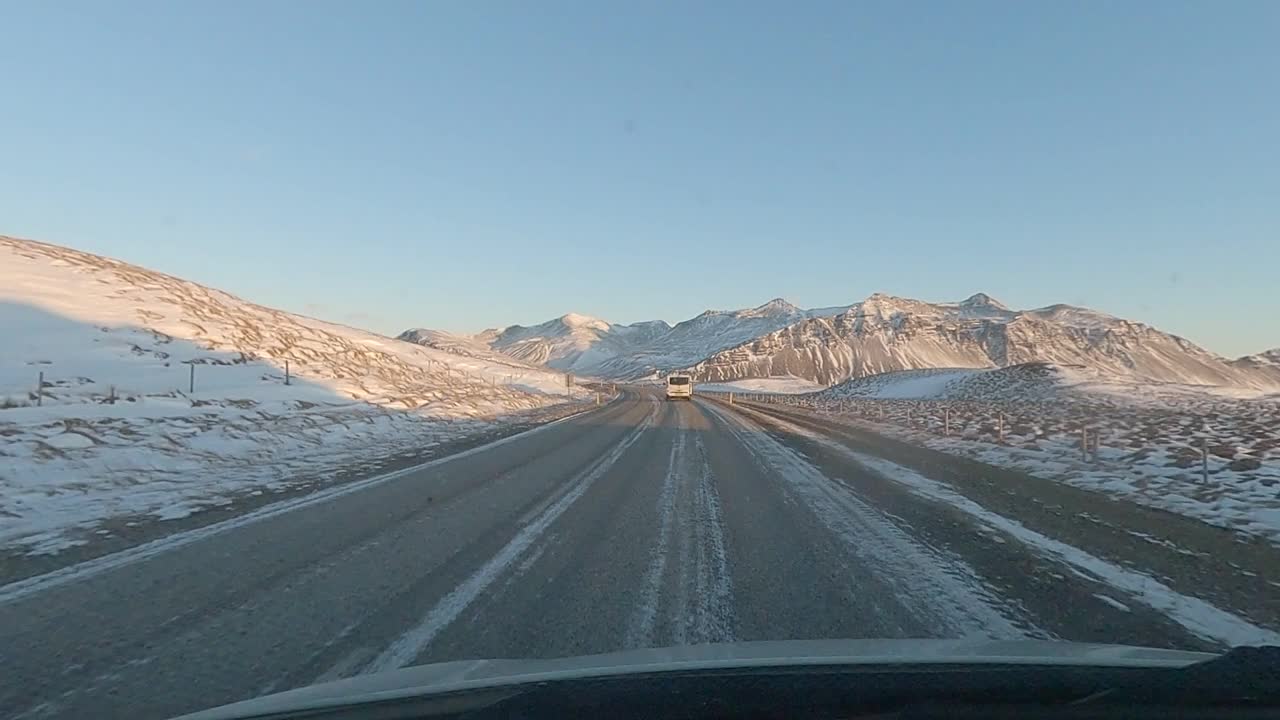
(412, 643)
(688, 557)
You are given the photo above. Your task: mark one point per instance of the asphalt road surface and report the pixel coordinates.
(642, 523)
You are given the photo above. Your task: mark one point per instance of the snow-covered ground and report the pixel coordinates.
(1148, 442)
(784, 385)
(120, 426)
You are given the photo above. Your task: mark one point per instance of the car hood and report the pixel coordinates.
(425, 680)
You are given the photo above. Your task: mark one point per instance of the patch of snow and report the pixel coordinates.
(160, 394)
(1147, 441)
(89, 568)
(780, 385)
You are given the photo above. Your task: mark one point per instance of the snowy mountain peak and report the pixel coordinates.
(982, 300)
(776, 307)
(576, 320)
(1265, 359)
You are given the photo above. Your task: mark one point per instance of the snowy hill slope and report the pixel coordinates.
(571, 342)
(1021, 383)
(885, 334)
(591, 346)
(1267, 362)
(117, 429)
(711, 332)
(90, 322)
(466, 345)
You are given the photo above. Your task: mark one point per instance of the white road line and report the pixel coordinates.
(1199, 617)
(412, 643)
(81, 571)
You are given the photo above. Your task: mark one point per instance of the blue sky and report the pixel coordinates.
(462, 165)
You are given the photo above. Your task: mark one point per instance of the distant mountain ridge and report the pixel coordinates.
(882, 333)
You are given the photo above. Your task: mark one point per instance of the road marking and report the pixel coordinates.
(26, 587)
(411, 644)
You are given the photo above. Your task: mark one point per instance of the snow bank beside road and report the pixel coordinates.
(782, 385)
(161, 396)
(1150, 443)
(1198, 616)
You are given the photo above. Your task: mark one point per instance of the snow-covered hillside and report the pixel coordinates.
(1268, 361)
(117, 427)
(589, 346)
(697, 338)
(1209, 452)
(885, 334)
(571, 342)
(468, 346)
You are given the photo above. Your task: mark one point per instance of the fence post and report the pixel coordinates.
(191, 384)
(1204, 460)
(597, 398)
(730, 398)
(40, 390)
(286, 372)
(1000, 428)
(111, 396)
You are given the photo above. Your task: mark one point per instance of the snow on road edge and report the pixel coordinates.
(1199, 617)
(89, 568)
(936, 587)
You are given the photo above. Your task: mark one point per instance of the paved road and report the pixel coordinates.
(643, 523)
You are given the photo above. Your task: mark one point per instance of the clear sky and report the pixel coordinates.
(469, 164)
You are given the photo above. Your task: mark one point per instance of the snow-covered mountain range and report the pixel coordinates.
(882, 333)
